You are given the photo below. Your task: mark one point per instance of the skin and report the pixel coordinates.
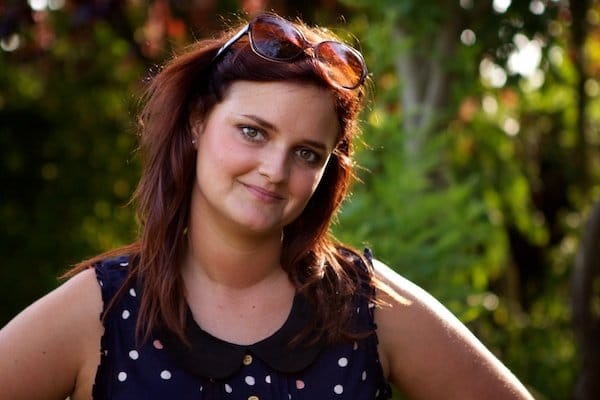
(259, 161)
(428, 353)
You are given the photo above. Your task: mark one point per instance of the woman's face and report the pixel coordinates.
(261, 154)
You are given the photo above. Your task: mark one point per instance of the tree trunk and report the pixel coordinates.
(425, 81)
(586, 309)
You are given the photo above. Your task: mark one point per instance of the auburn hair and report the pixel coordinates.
(192, 84)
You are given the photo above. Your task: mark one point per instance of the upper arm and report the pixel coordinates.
(45, 347)
(429, 353)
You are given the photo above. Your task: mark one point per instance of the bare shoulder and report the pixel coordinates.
(53, 342)
(428, 353)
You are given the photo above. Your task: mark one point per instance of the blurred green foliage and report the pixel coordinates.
(487, 211)
(68, 160)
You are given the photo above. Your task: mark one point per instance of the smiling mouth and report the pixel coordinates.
(264, 194)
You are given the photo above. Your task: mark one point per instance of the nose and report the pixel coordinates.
(274, 165)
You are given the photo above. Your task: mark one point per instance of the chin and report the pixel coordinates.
(260, 227)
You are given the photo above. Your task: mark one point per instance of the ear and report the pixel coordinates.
(196, 128)
(196, 132)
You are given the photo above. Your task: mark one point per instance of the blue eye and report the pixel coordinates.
(308, 155)
(251, 133)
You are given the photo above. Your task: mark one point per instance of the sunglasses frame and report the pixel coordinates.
(306, 45)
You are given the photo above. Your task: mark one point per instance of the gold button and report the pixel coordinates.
(253, 398)
(248, 361)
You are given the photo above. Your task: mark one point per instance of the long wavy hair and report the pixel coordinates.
(192, 84)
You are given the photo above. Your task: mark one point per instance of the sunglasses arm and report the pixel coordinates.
(231, 41)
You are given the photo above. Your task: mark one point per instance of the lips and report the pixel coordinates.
(264, 194)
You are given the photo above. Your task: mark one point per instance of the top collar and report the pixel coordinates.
(210, 357)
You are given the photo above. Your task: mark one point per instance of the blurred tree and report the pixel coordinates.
(586, 272)
(493, 81)
(586, 308)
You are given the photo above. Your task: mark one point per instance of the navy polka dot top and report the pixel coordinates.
(163, 368)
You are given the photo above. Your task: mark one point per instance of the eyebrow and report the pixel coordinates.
(263, 123)
(269, 126)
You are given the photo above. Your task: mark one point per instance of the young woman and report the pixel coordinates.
(234, 289)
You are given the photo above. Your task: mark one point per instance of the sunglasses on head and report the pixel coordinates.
(276, 39)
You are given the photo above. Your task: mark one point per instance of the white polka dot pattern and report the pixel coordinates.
(338, 389)
(166, 375)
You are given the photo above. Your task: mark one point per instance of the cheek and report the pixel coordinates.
(233, 161)
(216, 156)
(307, 183)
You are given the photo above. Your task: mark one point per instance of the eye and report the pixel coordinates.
(308, 155)
(252, 134)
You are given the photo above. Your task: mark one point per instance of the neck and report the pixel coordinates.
(236, 262)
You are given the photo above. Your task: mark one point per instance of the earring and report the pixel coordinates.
(194, 142)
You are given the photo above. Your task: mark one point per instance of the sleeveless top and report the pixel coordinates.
(164, 368)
